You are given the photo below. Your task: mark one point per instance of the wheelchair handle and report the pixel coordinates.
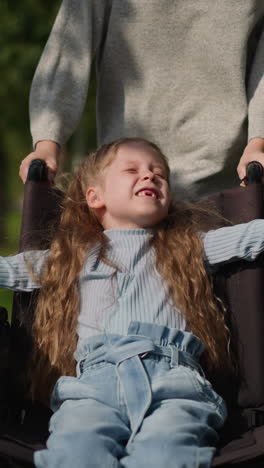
(38, 171)
(254, 172)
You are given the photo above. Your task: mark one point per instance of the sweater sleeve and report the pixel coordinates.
(18, 272)
(60, 84)
(227, 244)
(256, 91)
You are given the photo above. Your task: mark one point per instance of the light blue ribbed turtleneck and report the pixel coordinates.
(109, 302)
(135, 292)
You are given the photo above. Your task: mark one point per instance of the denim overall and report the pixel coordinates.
(138, 401)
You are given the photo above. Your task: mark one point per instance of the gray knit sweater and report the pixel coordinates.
(137, 292)
(186, 74)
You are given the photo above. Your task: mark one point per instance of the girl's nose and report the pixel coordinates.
(148, 175)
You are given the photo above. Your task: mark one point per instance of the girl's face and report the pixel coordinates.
(133, 191)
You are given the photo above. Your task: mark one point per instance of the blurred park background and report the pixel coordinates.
(24, 29)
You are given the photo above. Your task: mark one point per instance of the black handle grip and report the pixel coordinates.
(254, 172)
(38, 171)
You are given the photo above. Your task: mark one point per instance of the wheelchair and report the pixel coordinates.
(24, 424)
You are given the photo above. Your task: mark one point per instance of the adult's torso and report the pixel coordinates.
(174, 71)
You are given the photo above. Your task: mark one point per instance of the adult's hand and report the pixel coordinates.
(254, 151)
(48, 151)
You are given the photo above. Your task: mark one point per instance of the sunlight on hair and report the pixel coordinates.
(78, 231)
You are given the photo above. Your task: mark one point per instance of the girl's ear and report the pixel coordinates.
(94, 198)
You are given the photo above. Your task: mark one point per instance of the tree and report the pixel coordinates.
(25, 26)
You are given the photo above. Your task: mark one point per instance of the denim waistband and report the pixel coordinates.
(126, 352)
(160, 338)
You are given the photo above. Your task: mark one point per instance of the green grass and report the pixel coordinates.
(6, 299)
(10, 247)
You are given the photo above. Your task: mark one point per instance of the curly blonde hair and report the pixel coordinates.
(188, 283)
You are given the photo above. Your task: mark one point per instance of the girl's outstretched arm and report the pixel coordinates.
(227, 244)
(20, 272)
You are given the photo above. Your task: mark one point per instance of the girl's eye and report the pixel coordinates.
(131, 169)
(158, 174)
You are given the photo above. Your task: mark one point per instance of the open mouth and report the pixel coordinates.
(147, 193)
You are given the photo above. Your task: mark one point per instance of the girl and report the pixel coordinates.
(124, 291)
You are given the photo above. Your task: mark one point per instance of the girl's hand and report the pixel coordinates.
(254, 151)
(48, 151)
